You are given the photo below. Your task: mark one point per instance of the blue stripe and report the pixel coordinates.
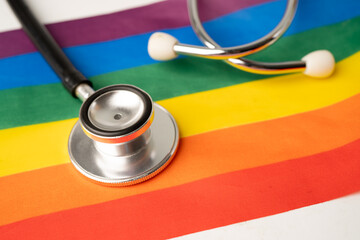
(104, 57)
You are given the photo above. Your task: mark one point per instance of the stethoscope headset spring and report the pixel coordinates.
(318, 64)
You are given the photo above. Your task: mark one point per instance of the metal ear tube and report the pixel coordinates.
(318, 64)
(122, 137)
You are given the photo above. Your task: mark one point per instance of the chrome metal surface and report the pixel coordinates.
(215, 51)
(127, 148)
(271, 68)
(126, 164)
(275, 34)
(83, 91)
(116, 110)
(204, 52)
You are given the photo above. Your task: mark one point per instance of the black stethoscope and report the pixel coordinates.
(122, 137)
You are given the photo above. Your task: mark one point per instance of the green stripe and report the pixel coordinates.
(45, 103)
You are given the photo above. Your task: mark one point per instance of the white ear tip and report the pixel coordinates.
(161, 46)
(319, 64)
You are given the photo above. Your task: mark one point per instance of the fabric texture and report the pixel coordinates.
(251, 146)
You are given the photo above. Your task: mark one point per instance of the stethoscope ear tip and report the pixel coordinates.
(319, 64)
(161, 46)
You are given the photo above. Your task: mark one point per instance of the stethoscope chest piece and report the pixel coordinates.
(122, 137)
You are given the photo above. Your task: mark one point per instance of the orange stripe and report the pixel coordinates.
(57, 188)
(208, 203)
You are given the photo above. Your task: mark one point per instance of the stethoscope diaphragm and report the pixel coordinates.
(122, 137)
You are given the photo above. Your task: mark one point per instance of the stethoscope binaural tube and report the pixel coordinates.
(266, 41)
(122, 137)
(319, 63)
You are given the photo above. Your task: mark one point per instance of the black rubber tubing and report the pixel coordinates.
(48, 47)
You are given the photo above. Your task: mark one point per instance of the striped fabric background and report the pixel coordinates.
(260, 156)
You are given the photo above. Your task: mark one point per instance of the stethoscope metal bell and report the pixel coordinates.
(122, 137)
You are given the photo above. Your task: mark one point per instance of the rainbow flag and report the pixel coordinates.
(260, 156)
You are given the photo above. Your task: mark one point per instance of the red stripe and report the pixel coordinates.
(204, 204)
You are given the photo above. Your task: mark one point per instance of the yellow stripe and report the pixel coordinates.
(32, 147)
(42, 145)
(263, 100)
